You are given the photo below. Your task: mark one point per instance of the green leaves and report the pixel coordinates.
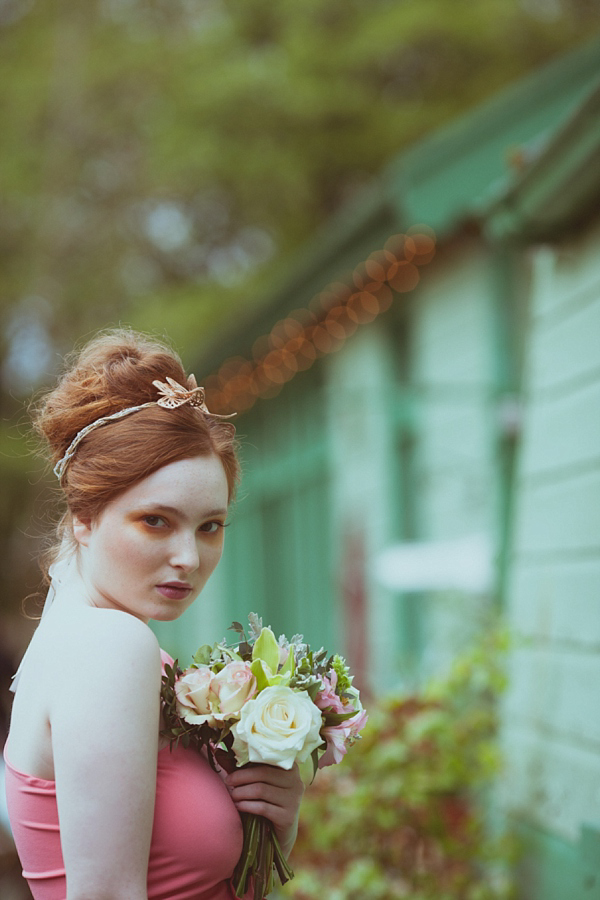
(308, 669)
(202, 655)
(338, 718)
(338, 664)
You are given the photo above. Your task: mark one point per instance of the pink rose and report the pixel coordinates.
(193, 694)
(232, 686)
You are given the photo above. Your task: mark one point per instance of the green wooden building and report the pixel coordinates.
(443, 460)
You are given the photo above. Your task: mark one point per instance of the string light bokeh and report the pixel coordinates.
(322, 327)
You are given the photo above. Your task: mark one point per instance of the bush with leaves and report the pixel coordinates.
(404, 815)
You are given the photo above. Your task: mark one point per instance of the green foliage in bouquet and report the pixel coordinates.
(403, 817)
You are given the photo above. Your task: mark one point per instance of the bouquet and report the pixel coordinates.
(262, 701)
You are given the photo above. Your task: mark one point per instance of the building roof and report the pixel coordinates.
(560, 186)
(523, 164)
(460, 168)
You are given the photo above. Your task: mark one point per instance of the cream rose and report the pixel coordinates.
(194, 696)
(278, 727)
(233, 686)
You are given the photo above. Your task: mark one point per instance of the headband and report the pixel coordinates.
(171, 396)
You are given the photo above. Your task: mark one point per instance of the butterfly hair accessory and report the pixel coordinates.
(172, 396)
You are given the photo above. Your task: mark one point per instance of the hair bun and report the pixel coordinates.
(113, 371)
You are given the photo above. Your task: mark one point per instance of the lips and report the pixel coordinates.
(174, 590)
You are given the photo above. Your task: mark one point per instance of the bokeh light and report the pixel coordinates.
(323, 326)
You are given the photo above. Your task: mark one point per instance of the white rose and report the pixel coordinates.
(278, 727)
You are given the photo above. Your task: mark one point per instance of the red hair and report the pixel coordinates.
(114, 371)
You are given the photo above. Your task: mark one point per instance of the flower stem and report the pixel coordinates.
(284, 870)
(261, 854)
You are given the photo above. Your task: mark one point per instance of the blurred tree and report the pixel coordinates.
(161, 159)
(161, 151)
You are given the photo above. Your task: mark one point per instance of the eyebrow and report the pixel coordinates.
(161, 507)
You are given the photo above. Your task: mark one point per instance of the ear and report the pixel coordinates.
(82, 530)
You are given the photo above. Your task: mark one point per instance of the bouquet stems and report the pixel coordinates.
(261, 854)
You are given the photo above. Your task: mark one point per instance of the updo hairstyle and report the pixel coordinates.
(112, 372)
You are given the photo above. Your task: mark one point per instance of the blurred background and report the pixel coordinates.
(371, 228)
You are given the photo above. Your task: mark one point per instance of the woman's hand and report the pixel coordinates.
(270, 792)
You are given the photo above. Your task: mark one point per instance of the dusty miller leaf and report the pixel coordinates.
(255, 625)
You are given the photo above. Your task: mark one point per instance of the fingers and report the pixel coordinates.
(274, 775)
(266, 784)
(259, 792)
(268, 791)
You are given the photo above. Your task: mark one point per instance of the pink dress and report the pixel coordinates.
(196, 835)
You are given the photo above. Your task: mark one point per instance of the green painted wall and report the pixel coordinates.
(279, 544)
(411, 431)
(552, 711)
(452, 376)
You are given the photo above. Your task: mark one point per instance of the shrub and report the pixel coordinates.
(404, 814)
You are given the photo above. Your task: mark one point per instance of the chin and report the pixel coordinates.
(167, 615)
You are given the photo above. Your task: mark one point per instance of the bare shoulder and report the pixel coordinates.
(118, 659)
(113, 631)
(89, 676)
(121, 629)
(109, 643)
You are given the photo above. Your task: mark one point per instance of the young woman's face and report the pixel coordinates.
(153, 548)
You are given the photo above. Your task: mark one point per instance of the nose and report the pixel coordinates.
(185, 554)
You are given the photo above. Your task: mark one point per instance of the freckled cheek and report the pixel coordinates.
(127, 556)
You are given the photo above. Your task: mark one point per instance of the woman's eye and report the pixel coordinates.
(154, 521)
(211, 527)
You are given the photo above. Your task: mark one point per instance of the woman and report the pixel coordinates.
(101, 809)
